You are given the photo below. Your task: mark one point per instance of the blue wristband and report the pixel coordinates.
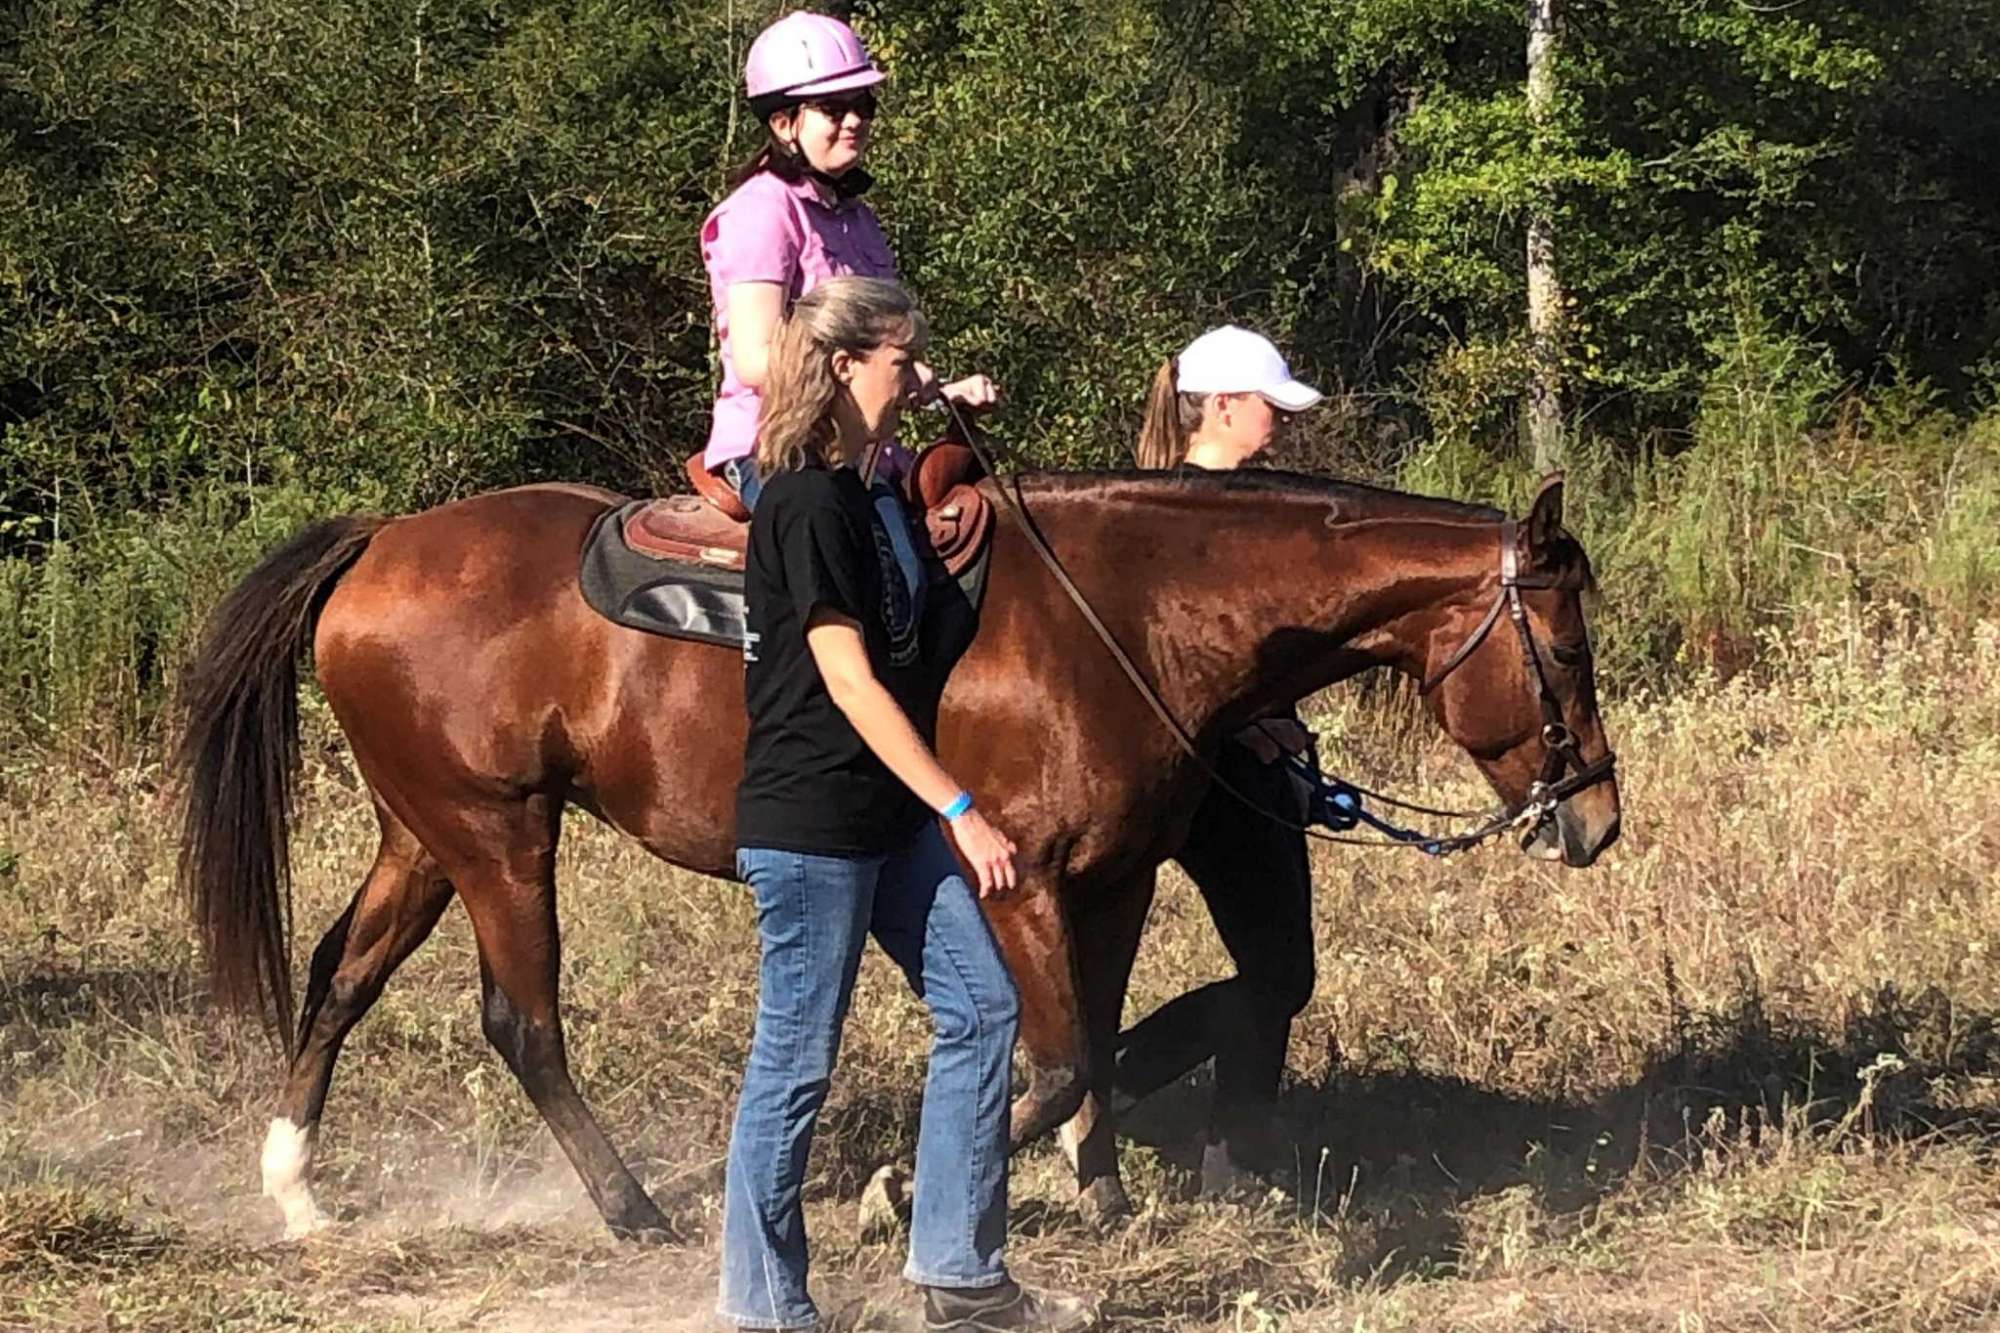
(959, 805)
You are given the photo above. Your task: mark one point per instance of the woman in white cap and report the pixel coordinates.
(795, 218)
(1220, 402)
(1216, 406)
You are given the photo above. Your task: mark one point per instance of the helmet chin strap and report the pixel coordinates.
(850, 184)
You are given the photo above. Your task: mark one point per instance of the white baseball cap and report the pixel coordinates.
(1234, 360)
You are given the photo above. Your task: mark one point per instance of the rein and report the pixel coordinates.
(1340, 801)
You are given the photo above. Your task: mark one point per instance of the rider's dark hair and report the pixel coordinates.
(785, 161)
(773, 154)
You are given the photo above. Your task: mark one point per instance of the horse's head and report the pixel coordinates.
(1511, 679)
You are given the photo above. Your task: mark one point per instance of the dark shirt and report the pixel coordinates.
(810, 783)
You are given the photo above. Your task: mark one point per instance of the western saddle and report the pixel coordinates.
(711, 527)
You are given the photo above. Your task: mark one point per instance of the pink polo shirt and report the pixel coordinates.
(771, 230)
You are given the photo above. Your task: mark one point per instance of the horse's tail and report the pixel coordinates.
(238, 761)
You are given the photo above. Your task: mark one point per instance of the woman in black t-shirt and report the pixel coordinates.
(838, 836)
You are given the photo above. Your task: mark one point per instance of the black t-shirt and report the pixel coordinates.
(810, 783)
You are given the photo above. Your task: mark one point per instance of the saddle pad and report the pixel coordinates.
(675, 567)
(696, 596)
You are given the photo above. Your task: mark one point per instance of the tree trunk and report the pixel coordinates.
(1544, 423)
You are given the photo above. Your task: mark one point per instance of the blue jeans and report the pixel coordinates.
(742, 474)
(814, 913)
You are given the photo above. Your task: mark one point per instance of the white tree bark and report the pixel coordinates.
(1543, 410)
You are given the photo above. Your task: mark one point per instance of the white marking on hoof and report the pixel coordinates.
(885, 1204)
(287, 1164)
(1070, 1137)
(1220, 1174)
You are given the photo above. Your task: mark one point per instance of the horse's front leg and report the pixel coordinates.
(1106, 927)
(1035, 937)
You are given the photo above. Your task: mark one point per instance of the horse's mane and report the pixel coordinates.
(1353, 502)
(1350, 501)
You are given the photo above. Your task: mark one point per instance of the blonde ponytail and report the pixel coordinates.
(795, 426)
(795, 421)
(1171, 419)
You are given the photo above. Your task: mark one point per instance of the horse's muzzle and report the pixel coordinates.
(1571, 836)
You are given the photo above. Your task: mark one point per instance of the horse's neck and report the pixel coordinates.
(1239, 601)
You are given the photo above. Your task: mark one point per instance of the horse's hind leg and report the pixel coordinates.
(503, 865)
(391, 914)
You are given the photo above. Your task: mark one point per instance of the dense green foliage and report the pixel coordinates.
(260, 258)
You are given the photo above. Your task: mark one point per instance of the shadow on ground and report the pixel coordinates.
(1405, 1150)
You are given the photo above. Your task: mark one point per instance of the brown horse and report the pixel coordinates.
(481, 695)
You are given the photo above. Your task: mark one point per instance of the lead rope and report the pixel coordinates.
(1535, 809)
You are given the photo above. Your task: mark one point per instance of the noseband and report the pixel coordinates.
(1564, 773)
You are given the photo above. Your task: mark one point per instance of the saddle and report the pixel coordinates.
(943, 486)
(711, 527)
(688, 528)
(674, 565)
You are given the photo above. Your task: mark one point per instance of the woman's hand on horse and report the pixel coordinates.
(988, 851)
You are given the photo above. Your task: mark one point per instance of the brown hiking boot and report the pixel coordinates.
(1007, 1308)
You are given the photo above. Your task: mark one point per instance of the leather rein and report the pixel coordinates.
(1556, 783)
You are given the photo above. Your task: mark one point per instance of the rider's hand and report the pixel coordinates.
(975, 393)
(987, 850)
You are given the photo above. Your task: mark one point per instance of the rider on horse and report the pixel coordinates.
(794, 219)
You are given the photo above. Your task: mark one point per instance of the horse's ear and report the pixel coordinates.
(1545, 516)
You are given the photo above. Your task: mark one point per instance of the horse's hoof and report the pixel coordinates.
(649, 1236)
(642, 1225)
(1222, 1178)
(307, 1222)
(286, 1165)
(1104, 1205)
(885, 1205)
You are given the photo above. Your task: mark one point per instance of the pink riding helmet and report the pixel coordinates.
(807, 55)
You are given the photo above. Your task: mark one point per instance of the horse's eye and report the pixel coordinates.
(1570, 654)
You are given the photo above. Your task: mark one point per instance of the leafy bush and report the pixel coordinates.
(280, 257)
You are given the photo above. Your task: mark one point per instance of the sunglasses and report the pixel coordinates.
(838, 109)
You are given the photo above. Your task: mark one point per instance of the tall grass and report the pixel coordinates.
(1793, 499)
(95, 623)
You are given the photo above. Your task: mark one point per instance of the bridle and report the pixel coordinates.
(1555, 785)
(1564, 772)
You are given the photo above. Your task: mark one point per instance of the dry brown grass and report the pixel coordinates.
(1742, 1076)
